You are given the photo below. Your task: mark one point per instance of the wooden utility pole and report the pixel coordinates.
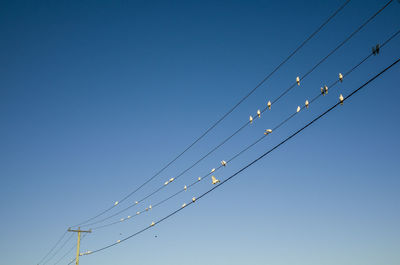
(79, 231)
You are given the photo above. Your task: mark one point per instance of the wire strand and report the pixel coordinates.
(56, 252)
(52, 248)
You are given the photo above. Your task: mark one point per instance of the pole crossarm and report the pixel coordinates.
(79, 230)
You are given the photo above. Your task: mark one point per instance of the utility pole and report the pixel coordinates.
(79, 231)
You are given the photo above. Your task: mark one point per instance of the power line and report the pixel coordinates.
(282, 63)
(259, 139)
(223, 117)
(254, 161)
(56, 252)
(54, 246)
(62, 257)
(248, 122)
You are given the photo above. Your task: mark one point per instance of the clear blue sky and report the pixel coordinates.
(96, 96)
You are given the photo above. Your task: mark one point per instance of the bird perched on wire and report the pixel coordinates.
(214, 180)
(341, 99)
(340, 77)
(267, 131)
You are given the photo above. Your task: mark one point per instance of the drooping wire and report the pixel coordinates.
(53, 247)
(251, 163)
(247, 122)
(59, 249)
(257, 141)
(66, 253)
(223, 116)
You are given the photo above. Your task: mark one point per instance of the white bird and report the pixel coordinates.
(212, 170)
(129, 216)
(340, 77)
(118, 241)
(171, 179)
(122, 219)
(193, 199)
(259, 113)
(341, 99)
(298, 108)
(298, 80)
(137, 212)
(251, 119)
(185, 188)
(152, 224)
(166, 183)
(183, 205)
(269, 104)
(322, 90)
(150, 207)
(115, 203)
(214, 180)
(223, 162)
(199, 178)
(136, 202)
(326, 89)
(306, 104)
(267, 131)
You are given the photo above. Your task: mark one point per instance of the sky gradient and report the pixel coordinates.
(96, 96)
